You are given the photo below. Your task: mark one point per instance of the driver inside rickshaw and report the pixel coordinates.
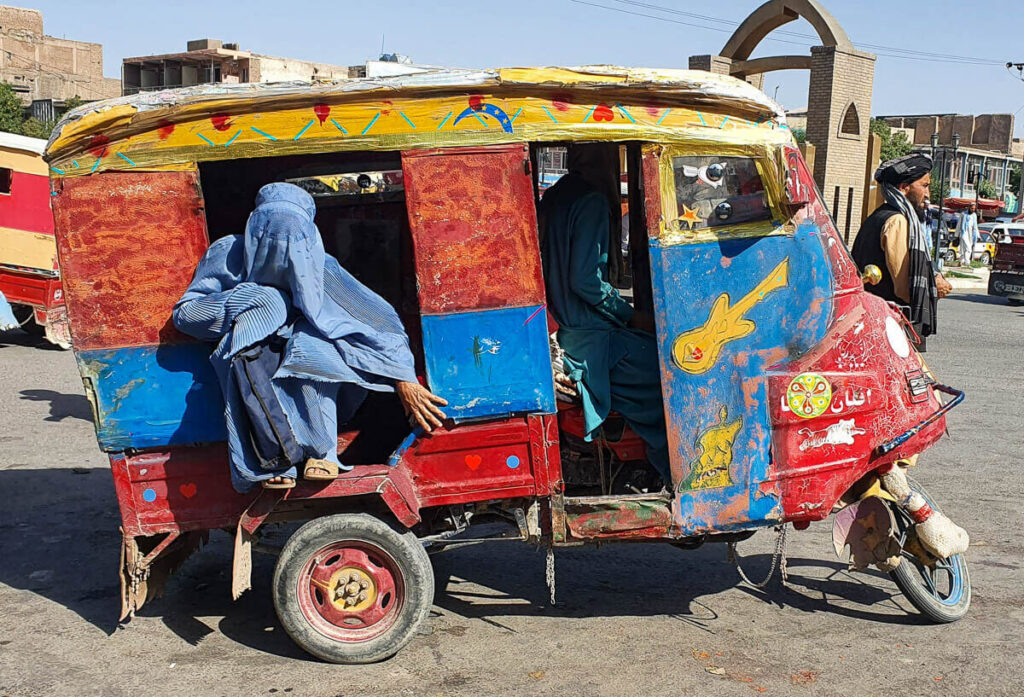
(300, 344)
(610, 351)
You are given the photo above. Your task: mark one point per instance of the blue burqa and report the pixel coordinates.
(342, 338)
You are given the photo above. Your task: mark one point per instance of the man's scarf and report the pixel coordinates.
(923, 295)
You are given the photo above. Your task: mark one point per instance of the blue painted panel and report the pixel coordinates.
(152, 396)
(490, 362)
(717, 377)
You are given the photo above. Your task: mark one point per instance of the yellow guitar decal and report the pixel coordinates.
(697, 350)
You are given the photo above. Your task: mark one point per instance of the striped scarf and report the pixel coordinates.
(923, 295)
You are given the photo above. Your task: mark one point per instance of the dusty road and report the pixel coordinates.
(633, 620)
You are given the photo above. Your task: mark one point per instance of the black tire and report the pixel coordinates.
(1016, 302)
(949, 256)
(931, 599)
(26, 316)
(986, 258)
(301, 607)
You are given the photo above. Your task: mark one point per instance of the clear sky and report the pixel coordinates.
(536, 32)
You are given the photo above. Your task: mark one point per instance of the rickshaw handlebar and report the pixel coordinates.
(958, 396)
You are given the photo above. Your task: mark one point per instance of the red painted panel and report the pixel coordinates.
(817, 459)
(128, 244)
(182, 489)
(474, 228)
(30, 289)
(27, 207)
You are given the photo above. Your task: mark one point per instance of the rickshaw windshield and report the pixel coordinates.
(713, 191)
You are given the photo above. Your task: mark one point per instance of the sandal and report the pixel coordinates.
(319, 470)
(281, 483)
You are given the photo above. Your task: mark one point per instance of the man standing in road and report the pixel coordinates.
(894, 239)
(967, 231)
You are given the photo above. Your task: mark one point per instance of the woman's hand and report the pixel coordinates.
(421, 405)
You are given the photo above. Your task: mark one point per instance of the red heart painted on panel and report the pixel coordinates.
(603, 112)
(221, 122)
(473, 461)
(653, 111)
(98, 145)
(476, 102)
(166, 128)
(322, 111)
(188, 490)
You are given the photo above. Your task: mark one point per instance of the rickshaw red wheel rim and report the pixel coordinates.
(331, 585)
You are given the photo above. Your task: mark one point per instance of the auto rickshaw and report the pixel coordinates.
(788, 390)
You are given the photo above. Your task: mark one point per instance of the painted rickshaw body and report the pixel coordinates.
(747, 403)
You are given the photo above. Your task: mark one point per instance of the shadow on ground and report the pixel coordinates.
(62, 406)
(60, 540)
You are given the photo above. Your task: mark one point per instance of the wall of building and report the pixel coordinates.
(45, 67)
(273, 69)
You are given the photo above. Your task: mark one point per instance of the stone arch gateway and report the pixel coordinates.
(838, 99)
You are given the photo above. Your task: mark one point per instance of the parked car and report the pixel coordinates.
(984, 249)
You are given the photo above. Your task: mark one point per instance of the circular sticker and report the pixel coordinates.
(897, 337)
(809, 395)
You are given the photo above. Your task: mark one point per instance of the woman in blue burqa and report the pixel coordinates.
(340, 340)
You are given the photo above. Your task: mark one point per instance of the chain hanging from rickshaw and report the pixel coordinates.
(778, 560)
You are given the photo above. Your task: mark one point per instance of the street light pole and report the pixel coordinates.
(942, 220)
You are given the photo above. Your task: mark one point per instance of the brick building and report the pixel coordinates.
(212, 61)
(45, 68)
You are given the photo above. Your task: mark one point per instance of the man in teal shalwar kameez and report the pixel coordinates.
(610, 350)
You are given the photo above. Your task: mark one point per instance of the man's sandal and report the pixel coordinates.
(320, 470)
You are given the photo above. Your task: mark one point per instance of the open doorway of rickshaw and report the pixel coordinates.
(363, 221)
(610, 487)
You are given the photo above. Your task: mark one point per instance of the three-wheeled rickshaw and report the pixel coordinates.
(789, 392)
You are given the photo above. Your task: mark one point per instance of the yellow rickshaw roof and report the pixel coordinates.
(98, 127)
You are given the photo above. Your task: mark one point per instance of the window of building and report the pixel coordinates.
(851, 122)
(5, 180)
(835, 205)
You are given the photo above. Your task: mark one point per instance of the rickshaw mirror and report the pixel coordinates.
(872, 275)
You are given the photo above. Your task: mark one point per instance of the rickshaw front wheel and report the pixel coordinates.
(352, 588)
(941, 592)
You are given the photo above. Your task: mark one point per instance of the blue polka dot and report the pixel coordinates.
(149, 495)
(512, 461)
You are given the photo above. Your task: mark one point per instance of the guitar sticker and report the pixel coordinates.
(697, 350)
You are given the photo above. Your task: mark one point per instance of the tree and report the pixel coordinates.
(799, 135)
(935, 195)
(893, 146)
(12, 114)
(34, 128)
(1015, 178)
(986, 189)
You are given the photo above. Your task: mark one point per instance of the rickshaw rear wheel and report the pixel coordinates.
(943, 592)
(352, 588)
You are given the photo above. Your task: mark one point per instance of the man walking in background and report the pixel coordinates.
(967, 231)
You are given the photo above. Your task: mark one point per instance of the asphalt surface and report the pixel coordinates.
(631, 619)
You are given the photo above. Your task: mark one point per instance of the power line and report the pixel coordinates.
(732, 23)
(885, 51)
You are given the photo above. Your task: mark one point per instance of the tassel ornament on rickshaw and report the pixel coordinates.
(938, 534)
